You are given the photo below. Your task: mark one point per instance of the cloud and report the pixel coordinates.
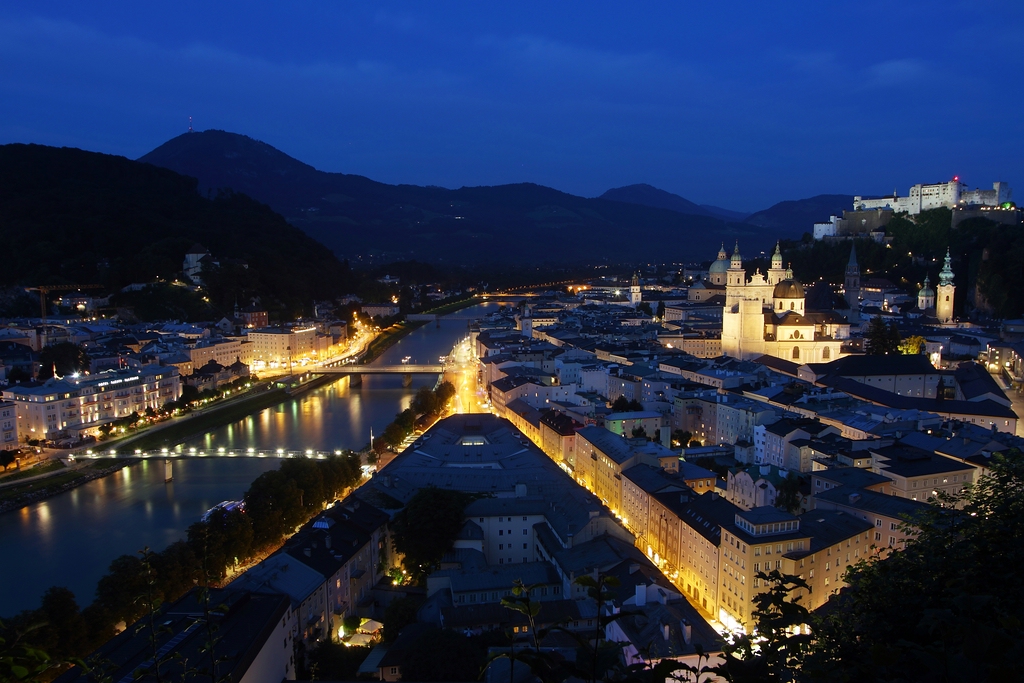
(896, 72)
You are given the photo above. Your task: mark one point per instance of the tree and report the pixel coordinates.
(645, 307)
(7, 458)
(639, 432)
(778, 643)
(331, 661)
(621, 404)
(442, 655)
(660, 312)
(425, 529)
(20, 660)
(66, 357)
(681, 437)
(912, 345)
(789, 493)
(947, 607)
(65, 631)
(399, 613)
(882, 339)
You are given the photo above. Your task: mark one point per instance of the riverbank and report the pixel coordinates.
(197, 424)
(388, 338)
(16, 497)
(453, 306)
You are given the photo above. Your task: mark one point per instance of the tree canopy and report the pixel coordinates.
(882, 338)
(426, 528)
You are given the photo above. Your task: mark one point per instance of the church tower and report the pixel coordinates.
(776, 273)
(736, 276)
(635, 297)
(944, 293)
(852, 282)
(926, 297)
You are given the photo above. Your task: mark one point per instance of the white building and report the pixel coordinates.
(923, 197)
(283, 345)
(8, 425)
(826, 229)
(765, 315)
(77, 406)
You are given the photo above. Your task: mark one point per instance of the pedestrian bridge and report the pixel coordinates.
(199, 452)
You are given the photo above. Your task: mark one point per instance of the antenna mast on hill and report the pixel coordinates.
(190, 124)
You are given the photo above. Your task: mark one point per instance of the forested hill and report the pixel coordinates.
(527, 223)
(75, 217)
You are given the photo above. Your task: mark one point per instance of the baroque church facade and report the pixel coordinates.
(766, 315)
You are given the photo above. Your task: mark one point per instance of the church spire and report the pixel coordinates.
(737, 260)
(851, 265)
(777, 257)
(946, 274)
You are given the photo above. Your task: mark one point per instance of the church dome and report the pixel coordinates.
(720, 267)
(788, 289)
(927, 289)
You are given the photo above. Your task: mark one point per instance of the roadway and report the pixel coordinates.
(462, 371)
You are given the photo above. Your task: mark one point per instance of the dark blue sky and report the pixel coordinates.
(735, 104)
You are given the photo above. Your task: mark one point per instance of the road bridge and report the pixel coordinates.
(403, 369)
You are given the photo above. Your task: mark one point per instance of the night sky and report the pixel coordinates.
(735, 104)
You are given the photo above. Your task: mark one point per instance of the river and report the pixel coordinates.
(69, 540)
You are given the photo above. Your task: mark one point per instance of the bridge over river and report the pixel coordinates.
(401, 369)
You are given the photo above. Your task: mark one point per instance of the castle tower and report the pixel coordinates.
(635, 297)
(926, 297)
(944, 293)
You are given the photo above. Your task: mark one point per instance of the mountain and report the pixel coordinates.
(69, 216)
(727, 214)
(794, 218)
(648, 195)
(522, 223)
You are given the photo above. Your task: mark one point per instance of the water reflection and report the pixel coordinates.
(71, 539)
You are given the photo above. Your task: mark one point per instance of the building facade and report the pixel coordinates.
(765, 315)
(78, 406)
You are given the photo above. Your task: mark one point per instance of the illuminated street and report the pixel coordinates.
(461, 371)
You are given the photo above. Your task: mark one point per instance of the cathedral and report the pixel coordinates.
(765, 315)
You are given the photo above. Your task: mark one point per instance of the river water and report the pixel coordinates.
(69, 540)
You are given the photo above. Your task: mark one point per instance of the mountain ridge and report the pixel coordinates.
(77, 216)
(354, 215)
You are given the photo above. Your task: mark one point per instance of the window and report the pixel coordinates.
(501, 546)
(796, 352)
(525, 533)
(878, 522)
(501, 532)
(524, 546)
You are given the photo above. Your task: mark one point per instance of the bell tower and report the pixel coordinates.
(944, 292)
(635, 297)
